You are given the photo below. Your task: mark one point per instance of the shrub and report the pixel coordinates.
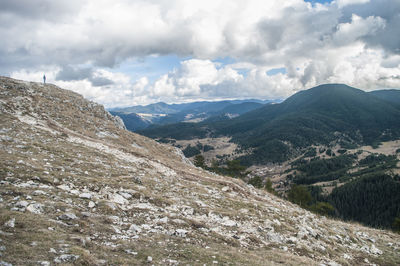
(323, 208)
(256, 181)
(190, 151)
(300, 195)
(199, 161)
(268, 186)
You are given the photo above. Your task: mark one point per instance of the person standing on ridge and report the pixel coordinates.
(44, 79)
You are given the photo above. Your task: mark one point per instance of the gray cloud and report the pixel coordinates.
(48, 32)
(69, 73)
(40, 9)
(388, 37)
(100, 81)
(356, 43)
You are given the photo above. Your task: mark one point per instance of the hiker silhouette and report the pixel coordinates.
(44, 79)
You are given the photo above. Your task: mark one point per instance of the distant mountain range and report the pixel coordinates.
(141, 117)
(321, 115)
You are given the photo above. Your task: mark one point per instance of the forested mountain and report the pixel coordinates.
(392, 96)
(321, 115)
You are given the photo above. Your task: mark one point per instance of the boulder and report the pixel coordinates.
(10, 223)
(36, 208)
(67, 217)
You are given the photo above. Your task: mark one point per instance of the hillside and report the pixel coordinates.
(392, 96)
(77, 188)
(322, 115)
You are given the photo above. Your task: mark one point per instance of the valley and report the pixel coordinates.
(324, 140)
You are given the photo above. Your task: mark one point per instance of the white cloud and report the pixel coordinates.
(343, 3)
(348, 33)
(80, 45)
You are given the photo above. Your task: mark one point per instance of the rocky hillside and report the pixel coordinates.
(77, 188)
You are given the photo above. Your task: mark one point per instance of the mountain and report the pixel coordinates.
(392, 96)
(164, 108)
(321, 115)
(155, 108)
(141, 117)
(133, 121)
(77, 188)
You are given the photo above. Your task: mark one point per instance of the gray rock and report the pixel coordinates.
(178, 221)
(146, 226)
(135, 229)
(163, 220)
(86, 214)
(91, 204)
(347, 256)
(22, 204)
(85, 195)
(67, 217)
(52, 250)
(131, 252)
(149, 259)
(333, 263)
(365, 249)
(228, 222)
(36, 208)
(44, 263)
(10, 223)
(374, 250)
(38, 193)
(116, 198)
(292, 240)
(3, 263)
(274, 237)
(125, 194)
(65, 258)
(64, 187)
(181, 232)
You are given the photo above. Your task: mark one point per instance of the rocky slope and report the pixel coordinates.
(76, 188)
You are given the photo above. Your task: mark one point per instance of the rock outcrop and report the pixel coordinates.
(77, 188)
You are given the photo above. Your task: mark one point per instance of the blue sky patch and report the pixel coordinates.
(318, 1)
(275, 71)
(151, 67)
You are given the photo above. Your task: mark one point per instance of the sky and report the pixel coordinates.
(134, 52)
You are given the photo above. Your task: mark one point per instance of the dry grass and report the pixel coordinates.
(35, 158)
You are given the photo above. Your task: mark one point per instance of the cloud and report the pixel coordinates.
(343, 3)
(69, 73)
(387, 38)
(358, 28)
(84, 44)
(40, 9)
